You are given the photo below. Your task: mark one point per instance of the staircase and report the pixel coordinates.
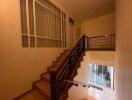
(42, 87)
(52, 85)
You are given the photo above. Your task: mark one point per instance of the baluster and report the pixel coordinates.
(84, 43)
(78, 49)
(53, 83)
(87, 42)
(70, 65)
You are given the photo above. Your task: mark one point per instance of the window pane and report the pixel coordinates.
(32, 41)
(23, 16)
(107, 72)
(31, 16)
(25, 41)
(91, 73)
(99, 74)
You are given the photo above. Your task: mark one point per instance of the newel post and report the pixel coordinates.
(53, 83)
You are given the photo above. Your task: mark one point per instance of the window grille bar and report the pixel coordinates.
(45, 24)
(28, 30)
(34, 13)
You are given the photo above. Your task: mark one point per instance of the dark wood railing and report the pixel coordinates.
(104, 42)
(66, 69)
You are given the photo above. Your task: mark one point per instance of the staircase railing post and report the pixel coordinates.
(87, 42)
(53, 83)
(70, 65)
(84, 43)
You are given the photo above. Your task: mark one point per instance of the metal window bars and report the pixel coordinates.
(42, 24)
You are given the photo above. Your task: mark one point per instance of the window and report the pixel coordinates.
(42, 24)
(101, 75)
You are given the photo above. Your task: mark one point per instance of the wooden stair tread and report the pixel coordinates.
(65, 54)
(32, 95)
(46, 77)
(62, 58)
(44, 88)
(57, 64)
(67, 50)
(58, 60)
(50, 67)
(43, 85)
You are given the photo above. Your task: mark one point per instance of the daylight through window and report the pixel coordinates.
(101, 75)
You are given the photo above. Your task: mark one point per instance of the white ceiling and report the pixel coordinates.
(87, 9)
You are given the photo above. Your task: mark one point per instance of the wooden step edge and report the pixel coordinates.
(42, 87)
(61, 58)
(23, 94)
(33, 83)
(50, 68)
(58, 60)
(65, 53)
(64, 56)
(67, 50)
(46, 77)
(56, 63)
(83, 53)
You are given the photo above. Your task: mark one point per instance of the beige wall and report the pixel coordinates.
(77, 32)
(97, 57)
(101, 25)
(124, 49)
(19, 67)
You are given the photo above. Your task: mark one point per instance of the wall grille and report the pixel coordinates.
(42, 24)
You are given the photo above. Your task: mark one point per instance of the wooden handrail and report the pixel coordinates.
(104, 42)
(102, 36)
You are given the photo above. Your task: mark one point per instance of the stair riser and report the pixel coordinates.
(43, 94)
(45, 79)
(59, 60)
(56, 64)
